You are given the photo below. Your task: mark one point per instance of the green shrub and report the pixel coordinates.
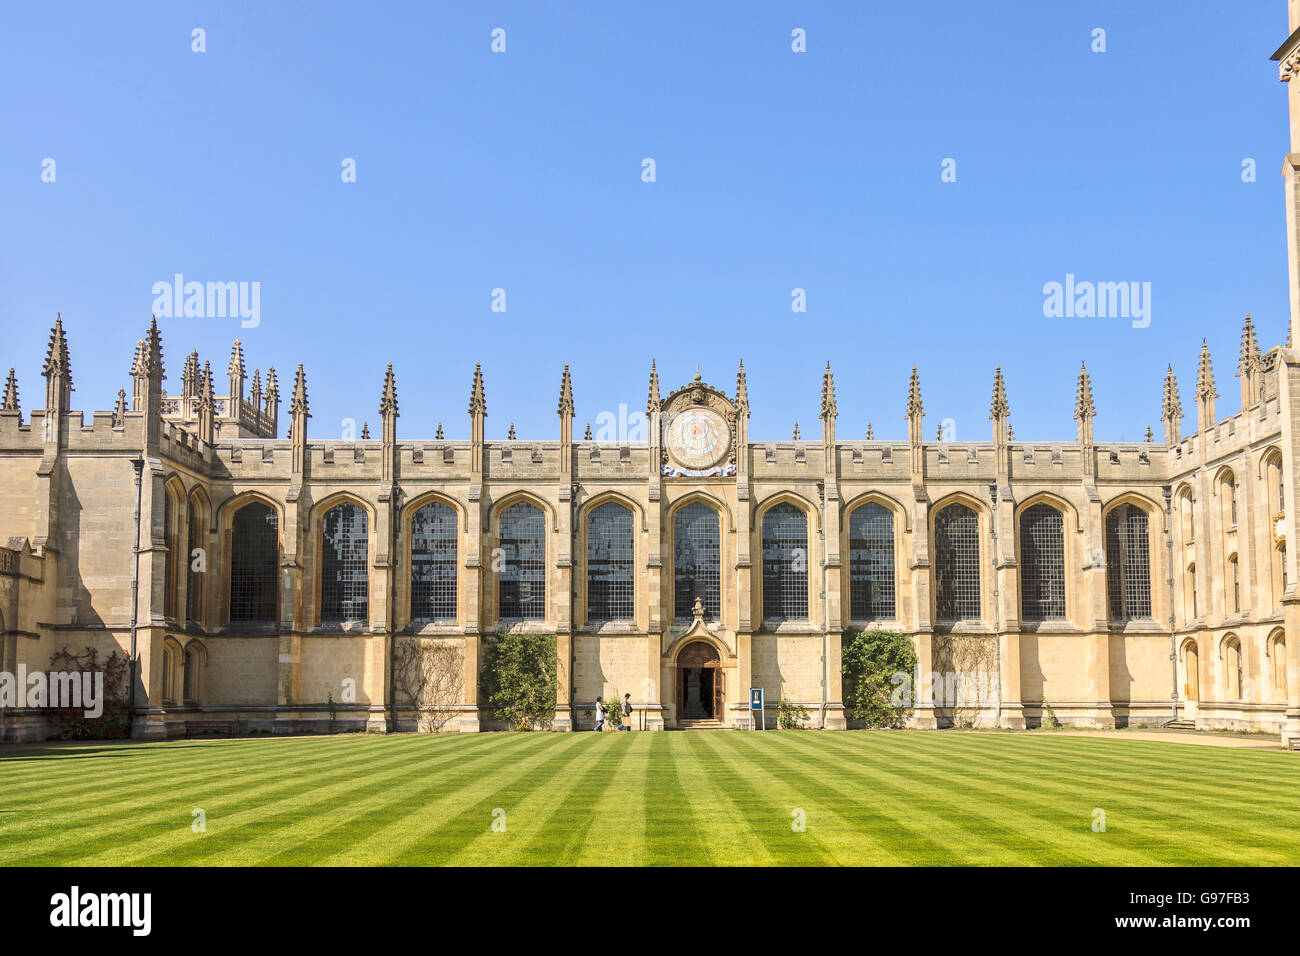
(790, 716)
(879, 669)
(519, 679)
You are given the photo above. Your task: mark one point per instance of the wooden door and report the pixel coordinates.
(718, 696)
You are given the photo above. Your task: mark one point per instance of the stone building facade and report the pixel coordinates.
(272, 583)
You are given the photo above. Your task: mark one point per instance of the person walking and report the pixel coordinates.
(600, 715)
(625, 723)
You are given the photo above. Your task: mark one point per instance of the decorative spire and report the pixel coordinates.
(1173, 407)
(697, 371)
(11, 394)
(1150, 435)
(299, 403)
(871, 435)
(1251, 356)
(365, 431)
(566, 394)
(153, 352)
(255, 393)
(56, 357)
(1083, 406)
(1205, 375)
(914, 395)
(438, 433)
(652, 402)
(742, 388)
(587, 436)
(796, 431)
(190, 383)
(938, 433)
(829, 409)
(1011, 432)
(510, 435)
(272, 389)
(138, 360)
(236, 366)
(119, 412)
(999, 408)
(388, 400)
(207, 395)
(477, 400)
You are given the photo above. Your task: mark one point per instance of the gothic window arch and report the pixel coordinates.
(192, 675)
(697, 561)
(1232, 668)
(785, 563)
(1279, 666)
(173, 510)
(957, 564)
(254, 564)
(196, 558)
(1042, 564)
(345, 564)
(610, 573)
(1128, 563)
(521, 575)
(433, 563)
(871, 563)
(1229, 501)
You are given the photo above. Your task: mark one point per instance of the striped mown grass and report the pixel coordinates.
(666, 799)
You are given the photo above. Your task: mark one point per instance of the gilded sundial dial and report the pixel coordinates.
(698, 438)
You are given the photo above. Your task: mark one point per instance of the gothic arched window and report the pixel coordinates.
(957, 564)
(345, 564)
(610, 576)
(785, 563)
(1128, 563)
(433, 563)
(871, 563)
(521, 577)
(254, 564)
(697, 561)
(1042, 564)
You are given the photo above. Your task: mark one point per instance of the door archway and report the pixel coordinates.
(700, 691)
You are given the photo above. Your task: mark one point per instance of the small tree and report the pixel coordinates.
(115, 721)
(875, 664)
(967, 665)
(429, 677)
(519, 679)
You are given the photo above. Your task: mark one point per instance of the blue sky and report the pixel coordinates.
(774, 170)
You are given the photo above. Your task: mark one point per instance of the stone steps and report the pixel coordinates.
(703, 724)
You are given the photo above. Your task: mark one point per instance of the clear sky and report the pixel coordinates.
(775, 170)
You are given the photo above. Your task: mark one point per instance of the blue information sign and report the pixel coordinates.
(758, 708)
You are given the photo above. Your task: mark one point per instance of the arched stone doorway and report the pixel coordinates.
(700, 692)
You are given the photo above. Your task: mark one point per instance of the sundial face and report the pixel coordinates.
(698, 438)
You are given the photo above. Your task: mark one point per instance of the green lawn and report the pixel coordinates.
(658, 799)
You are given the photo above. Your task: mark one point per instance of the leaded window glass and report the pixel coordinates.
(254, 564)
(697, 561)
(785, 563)
(433, 563)
(957, 564)
(522, 570)
(871, 563)
(345, 577)
(1042, 564)
(609, 564)
(1128, 563)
